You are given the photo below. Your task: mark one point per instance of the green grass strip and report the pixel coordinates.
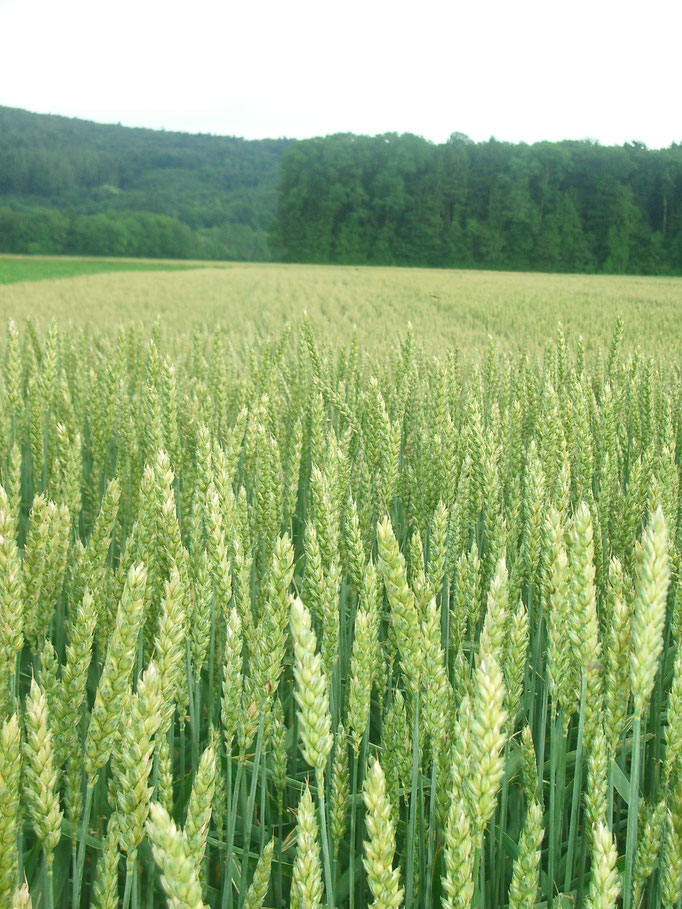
(13, 271)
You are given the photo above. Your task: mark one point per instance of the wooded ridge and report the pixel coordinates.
(71, 186)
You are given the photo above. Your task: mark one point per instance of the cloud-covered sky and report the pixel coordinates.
(521, 71)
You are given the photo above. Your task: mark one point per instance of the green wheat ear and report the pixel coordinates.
(10, 778)
(526, 872)
(22, 898)
(340, 788)
(257, 892)
(116, 674)
(40, 773)
(306, 878)
(311, 690)
(383, 879)
(604, 883)
(132, 761)
(178, 870)
(200, 806)
(360, 685)
(487, 740)
(404, 614)
(649, 613)
(105, 887)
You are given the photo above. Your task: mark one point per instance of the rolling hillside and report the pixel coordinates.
(72, 186)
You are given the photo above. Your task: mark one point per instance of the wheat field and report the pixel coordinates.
(330, 610)
(247, 302)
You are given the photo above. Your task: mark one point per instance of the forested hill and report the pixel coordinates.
(398, 199)
(72, 186)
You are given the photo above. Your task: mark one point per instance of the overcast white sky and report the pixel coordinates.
(522, 71)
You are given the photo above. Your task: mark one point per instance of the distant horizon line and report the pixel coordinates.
(592, 140)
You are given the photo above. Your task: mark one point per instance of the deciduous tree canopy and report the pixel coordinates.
(400, 200)
(70, 186)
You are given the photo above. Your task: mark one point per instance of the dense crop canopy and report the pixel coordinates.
(340, 628)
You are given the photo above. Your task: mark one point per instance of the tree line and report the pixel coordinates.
(561, 206)
(75, 187)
